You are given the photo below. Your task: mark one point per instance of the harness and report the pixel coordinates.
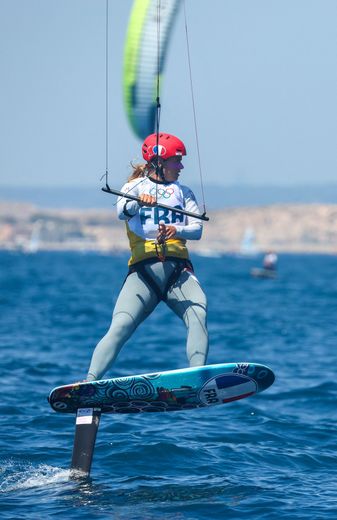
(181, 264)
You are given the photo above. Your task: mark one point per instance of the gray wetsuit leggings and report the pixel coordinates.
(138, 299)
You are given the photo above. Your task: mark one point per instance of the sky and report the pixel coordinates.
(265, 87)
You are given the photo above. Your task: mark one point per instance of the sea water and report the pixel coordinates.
(271, 456)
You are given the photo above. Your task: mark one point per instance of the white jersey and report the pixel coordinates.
(142, 222)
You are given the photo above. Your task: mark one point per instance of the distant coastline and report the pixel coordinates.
(216, 196)
(242, 230)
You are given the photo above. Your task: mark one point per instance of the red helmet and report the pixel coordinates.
(169, 146)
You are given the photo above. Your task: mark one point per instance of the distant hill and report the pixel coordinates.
(246, 230)
(217, 197)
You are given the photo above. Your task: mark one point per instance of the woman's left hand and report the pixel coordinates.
(166, 232)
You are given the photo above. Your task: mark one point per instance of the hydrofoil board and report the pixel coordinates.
(165, 391)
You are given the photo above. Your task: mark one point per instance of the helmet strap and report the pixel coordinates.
(158, 168)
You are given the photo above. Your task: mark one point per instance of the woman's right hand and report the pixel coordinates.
(147, 200)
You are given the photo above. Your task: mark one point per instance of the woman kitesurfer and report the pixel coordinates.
(159, 267)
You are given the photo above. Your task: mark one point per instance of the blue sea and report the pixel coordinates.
(271, 456)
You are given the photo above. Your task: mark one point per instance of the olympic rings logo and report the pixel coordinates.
(164, 193)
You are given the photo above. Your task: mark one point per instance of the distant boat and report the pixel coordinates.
(269, 267)
(257, 272)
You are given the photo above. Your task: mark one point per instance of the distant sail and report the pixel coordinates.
(141, 60)
(248, 245)
(35, 238)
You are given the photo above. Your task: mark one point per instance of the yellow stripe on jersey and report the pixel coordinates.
(142, 249)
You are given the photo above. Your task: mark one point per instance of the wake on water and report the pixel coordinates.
(16, 476)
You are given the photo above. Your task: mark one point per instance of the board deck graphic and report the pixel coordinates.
(166, 391)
